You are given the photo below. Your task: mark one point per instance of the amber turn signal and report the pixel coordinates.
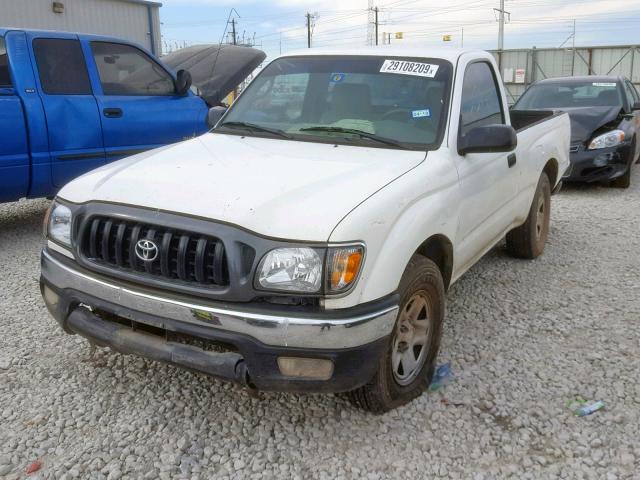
(344, 265)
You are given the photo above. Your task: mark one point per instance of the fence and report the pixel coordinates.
(521, 67)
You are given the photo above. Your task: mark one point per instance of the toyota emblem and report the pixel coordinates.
(146, 250)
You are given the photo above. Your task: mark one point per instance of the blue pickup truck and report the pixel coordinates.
(70, 103)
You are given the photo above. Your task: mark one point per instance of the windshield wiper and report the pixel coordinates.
(255, 128)
(354, 131)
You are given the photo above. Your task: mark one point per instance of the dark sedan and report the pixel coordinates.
(605, 124)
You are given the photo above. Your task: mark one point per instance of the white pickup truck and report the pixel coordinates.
(308, 241)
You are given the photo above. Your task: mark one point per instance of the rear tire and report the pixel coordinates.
(406, 368)
(528, 240)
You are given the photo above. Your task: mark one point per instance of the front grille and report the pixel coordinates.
(174, 255)
(575, 148)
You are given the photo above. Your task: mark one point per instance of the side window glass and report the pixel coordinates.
(481, 103)
(61, 67)
(627, 92)
(5, 78)
(632, 93)
(126, 70)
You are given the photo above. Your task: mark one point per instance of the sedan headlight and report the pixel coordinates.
(59, 224)
(609, 139)
(291, 269)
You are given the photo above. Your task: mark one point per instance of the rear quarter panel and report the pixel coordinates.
(537, 144)
(23, 75)
(14, 154)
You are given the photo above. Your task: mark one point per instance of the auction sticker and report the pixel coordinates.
(598, 84)
(403, 67)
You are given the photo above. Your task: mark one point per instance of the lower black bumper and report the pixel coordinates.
(599, 165)
(238, 358)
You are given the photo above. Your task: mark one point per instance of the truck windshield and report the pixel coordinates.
(570, 95)
(367, 100)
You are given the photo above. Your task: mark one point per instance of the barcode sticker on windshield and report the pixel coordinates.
(600, 84)
(403, 67)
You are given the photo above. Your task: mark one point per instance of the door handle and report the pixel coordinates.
(511, 160)
(112, 112)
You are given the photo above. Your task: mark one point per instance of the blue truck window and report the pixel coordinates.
(5, 77)
(126, 70)
(61, 67)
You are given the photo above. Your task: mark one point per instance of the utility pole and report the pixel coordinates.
(370, 23)
(308, 30)
(571, 37)
(573, 49)
(462, 38)
(501, 29)
(376, 12)
(501, 18)
(502, 14)
(234, 40)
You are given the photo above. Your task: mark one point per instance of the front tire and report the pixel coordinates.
(528, 240)
(625, 180)
(407, 366)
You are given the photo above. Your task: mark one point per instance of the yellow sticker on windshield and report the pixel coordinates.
(403, 67)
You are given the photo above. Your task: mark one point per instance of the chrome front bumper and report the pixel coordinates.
(315, 332)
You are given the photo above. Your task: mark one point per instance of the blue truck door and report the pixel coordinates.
(14, 150)
(73, 121)
(138, 104)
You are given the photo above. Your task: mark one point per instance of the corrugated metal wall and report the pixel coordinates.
(129, 20)
(563, 62)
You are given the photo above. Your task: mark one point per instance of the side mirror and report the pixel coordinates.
(489, 139)
(183, 82)
(215, 114)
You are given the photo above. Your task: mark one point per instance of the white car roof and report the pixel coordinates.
(446, 53)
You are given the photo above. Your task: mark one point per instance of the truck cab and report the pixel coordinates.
(70, 103)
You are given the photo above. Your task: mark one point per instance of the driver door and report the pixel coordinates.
(488, 181)
(138, 106)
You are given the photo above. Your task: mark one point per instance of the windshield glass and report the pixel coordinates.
(571, 95)
(373, 101)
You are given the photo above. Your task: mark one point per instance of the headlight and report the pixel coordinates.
(300, 270)
(291, 269)
(59, 224)
(343, 267)
(609, 139)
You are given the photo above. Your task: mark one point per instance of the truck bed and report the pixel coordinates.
(523, 119)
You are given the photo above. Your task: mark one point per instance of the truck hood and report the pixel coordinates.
(216, 69)
(276, 188)
(586, 120)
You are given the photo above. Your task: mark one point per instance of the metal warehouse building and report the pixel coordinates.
(134, 20)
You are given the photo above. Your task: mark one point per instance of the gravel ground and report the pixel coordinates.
(523, 338)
